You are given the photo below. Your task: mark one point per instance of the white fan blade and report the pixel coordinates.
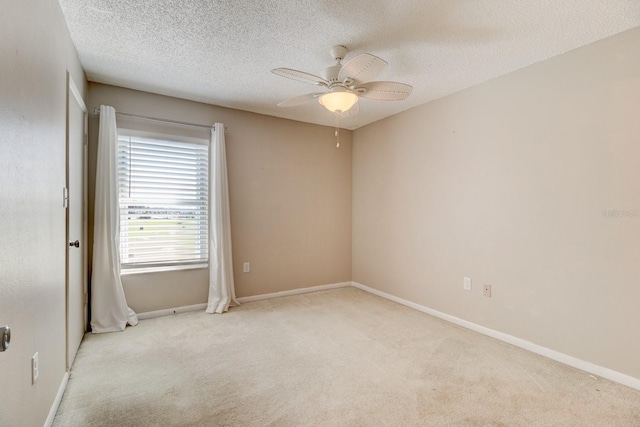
(350, 112)
(362, 68)
(292, 102)
(384, 91)
(300, 76)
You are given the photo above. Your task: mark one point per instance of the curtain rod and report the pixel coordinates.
(157, 119)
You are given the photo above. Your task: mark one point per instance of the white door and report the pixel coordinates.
(76, 221)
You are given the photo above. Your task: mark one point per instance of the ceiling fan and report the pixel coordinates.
(344, 84)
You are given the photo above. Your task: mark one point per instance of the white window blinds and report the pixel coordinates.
(163, 196)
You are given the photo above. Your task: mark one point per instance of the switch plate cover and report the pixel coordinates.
(35, 368)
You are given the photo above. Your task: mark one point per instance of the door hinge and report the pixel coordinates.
(65, 197)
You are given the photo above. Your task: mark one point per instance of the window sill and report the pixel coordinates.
(160, 269)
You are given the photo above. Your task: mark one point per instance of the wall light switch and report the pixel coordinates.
(467, 284)
(35, 368)
(246, 267)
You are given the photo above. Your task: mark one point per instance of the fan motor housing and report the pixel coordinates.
(331, 73)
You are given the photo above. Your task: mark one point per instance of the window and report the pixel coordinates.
(163, 188)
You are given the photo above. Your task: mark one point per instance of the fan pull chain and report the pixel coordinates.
(337, 133)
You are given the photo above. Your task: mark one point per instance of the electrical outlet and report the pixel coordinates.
(246, 267)
(35, 368)
(467, 284)
(486, 290)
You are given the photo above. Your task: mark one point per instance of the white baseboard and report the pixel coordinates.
(294, 292)
(170, 311)
(583, 365)
(56, 402)
(198, 307)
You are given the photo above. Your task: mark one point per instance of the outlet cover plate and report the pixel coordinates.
(467, 284)
(486, 290)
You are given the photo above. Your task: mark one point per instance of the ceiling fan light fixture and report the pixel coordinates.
(339, 101)
(346, 84)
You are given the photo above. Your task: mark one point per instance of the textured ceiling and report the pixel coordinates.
(221, 52)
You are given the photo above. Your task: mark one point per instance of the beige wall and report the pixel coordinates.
(506, 183)
(35, 54)
(290, 196)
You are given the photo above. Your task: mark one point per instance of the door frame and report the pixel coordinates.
(72, 90)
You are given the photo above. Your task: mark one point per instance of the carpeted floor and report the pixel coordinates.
(335, 358)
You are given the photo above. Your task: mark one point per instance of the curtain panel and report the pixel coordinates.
(109, 310)
(221, 286)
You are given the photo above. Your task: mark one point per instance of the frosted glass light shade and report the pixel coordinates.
(338, 101)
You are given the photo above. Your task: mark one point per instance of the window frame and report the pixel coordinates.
(163, 265)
